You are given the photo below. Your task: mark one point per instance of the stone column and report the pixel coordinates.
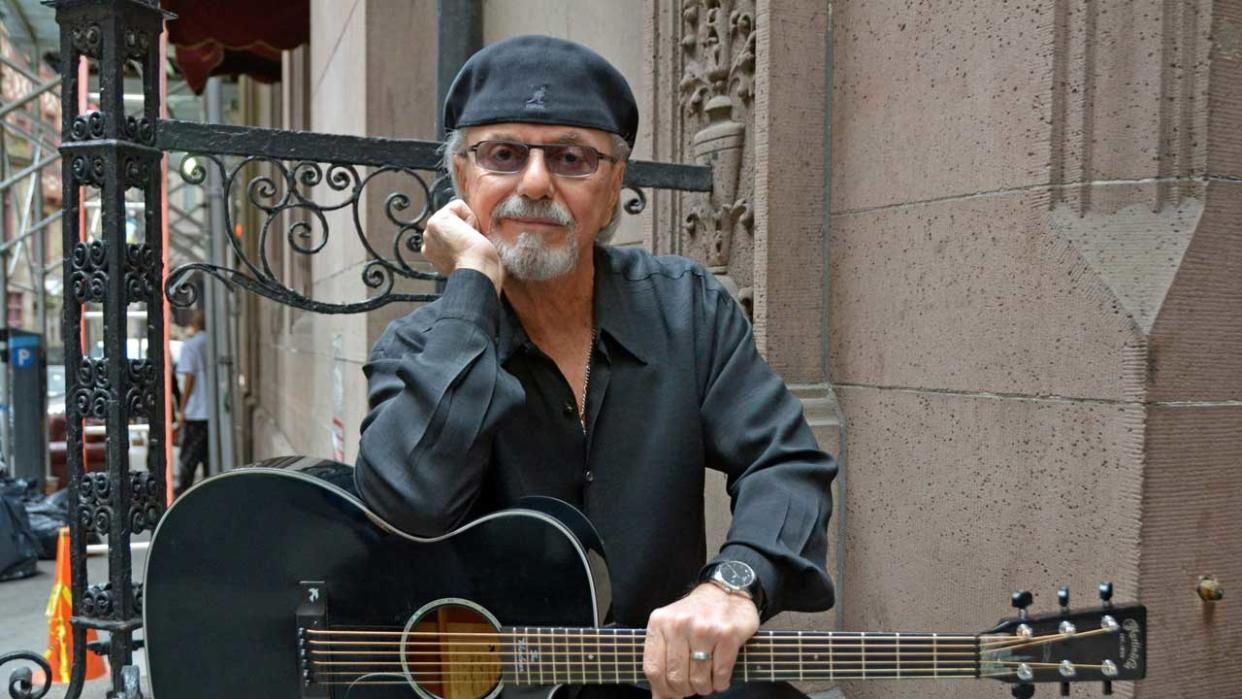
(1035, 316)
(740, 85)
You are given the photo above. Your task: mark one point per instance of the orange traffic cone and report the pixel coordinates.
(59, 651)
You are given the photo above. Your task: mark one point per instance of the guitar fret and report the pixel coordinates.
(616, 657)
(898, 637)
(800, 674)
(831, 673)
(529, 655)
(592, 656)
(745, 666)
(862, 645)
(637, 668)
(772, 654)
(588, 657)
(935, 656)
(552, 633)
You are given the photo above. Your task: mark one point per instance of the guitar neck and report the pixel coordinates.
(547, 656)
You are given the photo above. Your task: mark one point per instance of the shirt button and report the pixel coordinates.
(589, 476)
(569, 409)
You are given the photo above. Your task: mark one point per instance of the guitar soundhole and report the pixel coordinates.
(452, 651)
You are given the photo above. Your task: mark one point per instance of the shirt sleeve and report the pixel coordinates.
(778, 479)
(436, 393)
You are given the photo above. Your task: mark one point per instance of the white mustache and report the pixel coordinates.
(518, 206)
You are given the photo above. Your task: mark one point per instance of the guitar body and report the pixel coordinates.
(239, 557)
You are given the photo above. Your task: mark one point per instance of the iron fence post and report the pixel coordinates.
(112, 152)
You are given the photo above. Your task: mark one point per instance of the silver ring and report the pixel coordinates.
(701, 655)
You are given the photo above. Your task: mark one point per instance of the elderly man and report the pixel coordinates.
(606, 377)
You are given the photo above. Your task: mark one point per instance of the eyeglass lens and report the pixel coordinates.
(564, 160)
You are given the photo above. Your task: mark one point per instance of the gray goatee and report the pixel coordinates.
(528, 257)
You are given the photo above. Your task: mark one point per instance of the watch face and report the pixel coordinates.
(736, 573)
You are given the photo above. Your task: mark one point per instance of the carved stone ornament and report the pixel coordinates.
(716, 94)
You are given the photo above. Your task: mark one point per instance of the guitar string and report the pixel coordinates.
(1060, 636)
(571, 632)
(764, 646)
(611, 652)
(1015, 663)
(629, 653)
(951, 668)
(576, 678)
(406, 683)
(569, 660)
(637, 672)
(992, 641)
(759, 641)
(1008, 644)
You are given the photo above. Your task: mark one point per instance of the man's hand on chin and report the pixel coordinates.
(706, 621)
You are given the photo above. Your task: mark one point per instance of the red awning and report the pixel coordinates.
(235, 37)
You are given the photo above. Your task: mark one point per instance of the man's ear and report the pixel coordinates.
(618, 183)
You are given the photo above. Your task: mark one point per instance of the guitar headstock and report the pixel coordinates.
(1104, 644)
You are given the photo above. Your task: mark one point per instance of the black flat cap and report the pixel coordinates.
(541, 80)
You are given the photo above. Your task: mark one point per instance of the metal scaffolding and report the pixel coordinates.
(29, 117)
(30, 255)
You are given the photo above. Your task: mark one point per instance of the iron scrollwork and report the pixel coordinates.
(147, 502)
(290, 189)
(94, 508)
(89, 264)
(21, 680)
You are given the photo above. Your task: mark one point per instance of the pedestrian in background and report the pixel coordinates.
(192, 421)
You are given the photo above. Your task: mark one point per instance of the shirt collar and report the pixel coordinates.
(615, 313)
(616, 308)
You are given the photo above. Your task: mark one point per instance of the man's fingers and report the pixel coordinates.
(724, 659)
(653, 662)
(701, 670)
(463, 212)
(677, 663)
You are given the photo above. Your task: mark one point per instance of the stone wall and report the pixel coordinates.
(1034, 316)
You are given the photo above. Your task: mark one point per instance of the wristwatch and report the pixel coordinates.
(736, 578)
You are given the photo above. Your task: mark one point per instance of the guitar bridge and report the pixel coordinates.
(312, 613)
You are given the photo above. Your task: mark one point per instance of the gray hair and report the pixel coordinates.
(455, 145)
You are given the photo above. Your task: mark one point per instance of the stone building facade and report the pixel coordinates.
(994, 247)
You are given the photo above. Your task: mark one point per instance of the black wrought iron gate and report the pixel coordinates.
(115, 151)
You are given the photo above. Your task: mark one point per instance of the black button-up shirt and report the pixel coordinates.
(467, 415)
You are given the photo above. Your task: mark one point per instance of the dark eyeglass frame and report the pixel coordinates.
(524, 149)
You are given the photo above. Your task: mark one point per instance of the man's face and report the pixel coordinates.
(543, 224)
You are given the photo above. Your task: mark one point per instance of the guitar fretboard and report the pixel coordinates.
(548, 656)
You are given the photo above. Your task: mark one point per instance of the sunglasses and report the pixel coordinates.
(561, 159)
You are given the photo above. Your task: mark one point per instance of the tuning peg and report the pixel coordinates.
(1108, 687)
(1063, 598)
(1065, 689)
(1020, 601)
(1022, 690)
(1106, 594)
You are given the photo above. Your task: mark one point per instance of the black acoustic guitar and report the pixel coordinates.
(275, 581)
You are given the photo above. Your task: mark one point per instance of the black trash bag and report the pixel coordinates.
(19, 550)
(47, 517)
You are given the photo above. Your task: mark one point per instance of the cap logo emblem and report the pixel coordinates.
(535, 103)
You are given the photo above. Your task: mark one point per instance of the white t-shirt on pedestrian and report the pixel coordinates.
(194, 361)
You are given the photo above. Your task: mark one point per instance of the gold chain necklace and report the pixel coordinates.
(586, 383)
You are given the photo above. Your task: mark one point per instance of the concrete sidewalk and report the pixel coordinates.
(23, 620)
